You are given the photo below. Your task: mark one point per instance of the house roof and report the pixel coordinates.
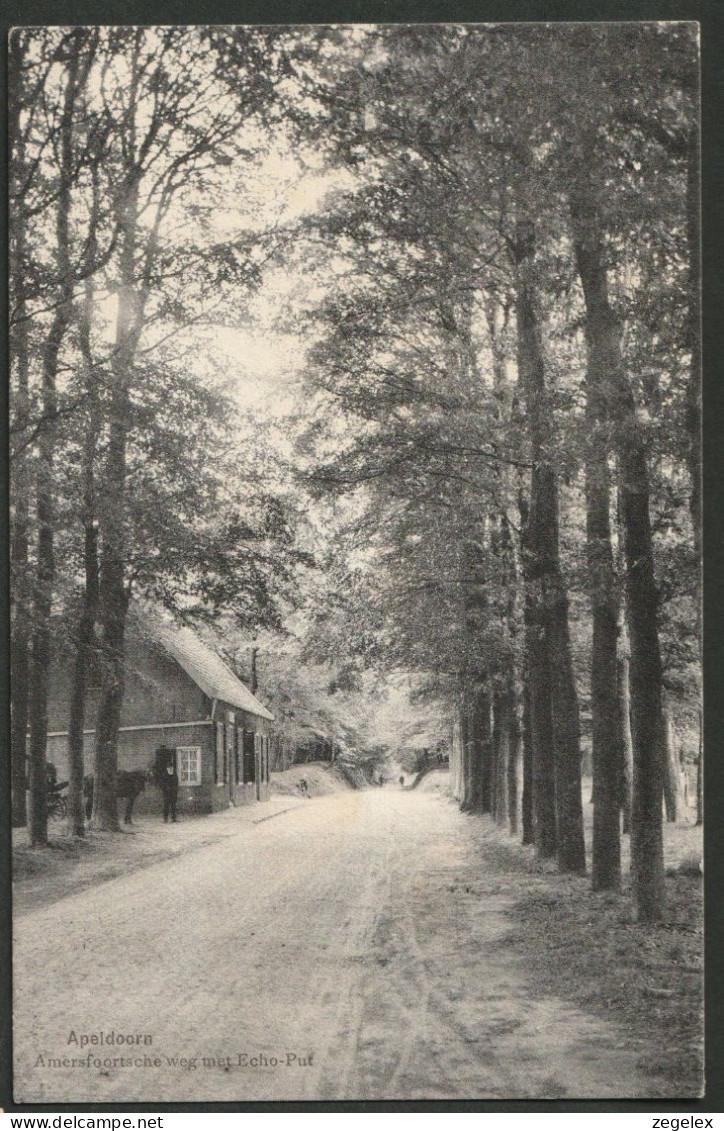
(204, 666)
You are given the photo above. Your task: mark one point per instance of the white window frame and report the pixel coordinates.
(194, 771)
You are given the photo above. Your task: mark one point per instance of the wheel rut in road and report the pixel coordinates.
(447, 1009)
(358, 941)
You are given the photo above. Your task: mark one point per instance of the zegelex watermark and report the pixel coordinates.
(680, 1122)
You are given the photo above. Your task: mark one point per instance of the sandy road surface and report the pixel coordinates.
(339, 938)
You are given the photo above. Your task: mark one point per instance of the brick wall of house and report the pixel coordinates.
(233, 791)
(158, 691)
(136, 751)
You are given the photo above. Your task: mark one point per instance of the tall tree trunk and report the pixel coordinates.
(513, 579)
(474, 602)
(462, 731)
(113, 592)
(548, 589)
(20, 482)
(607, 754)
(466, 800)
(515, 753)
(700, 777)
(84, 653)
(20, 643)
(462, 735)
(528, 836)
(114, 606)
(471, 780)
(538, 689)
(85, 646)
(501, 749)
(456, 777)
(693, 404)
(672, 773)
(481, 753)
(603, 594)
(510, 573)
(475, 761)
(113, 595)
(571, 852)
(624, 722)
(485, 745)
(40, 649)
(603, 332)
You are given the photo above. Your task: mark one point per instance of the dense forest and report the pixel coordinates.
(376, 350)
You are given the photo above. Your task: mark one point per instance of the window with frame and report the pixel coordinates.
(188, 761)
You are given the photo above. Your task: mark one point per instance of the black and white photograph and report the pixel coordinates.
(355, 562)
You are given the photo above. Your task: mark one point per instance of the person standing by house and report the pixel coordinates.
(167, 779)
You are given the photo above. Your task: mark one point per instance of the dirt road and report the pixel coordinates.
(334, 951)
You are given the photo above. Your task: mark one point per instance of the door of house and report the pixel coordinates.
(264, 759)
(249, 757)
(230, 751)
(257, 766)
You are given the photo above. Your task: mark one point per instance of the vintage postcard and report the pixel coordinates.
(355, 562)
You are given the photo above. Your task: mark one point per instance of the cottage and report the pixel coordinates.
(179, 694)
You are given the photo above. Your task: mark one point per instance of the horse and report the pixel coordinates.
(129, 783)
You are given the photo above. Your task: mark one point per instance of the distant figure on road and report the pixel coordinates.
(402, 780)
(303, 787)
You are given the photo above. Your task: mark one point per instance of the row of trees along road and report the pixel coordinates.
(125, 479)
(513, 330)
(501, 293)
